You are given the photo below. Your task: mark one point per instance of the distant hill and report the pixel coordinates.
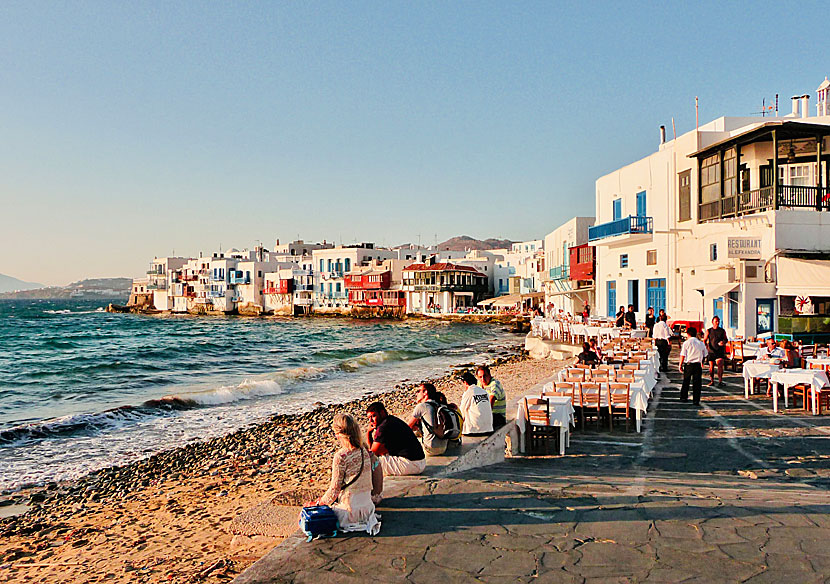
(9, 284)
(111, 288)
(465, 242)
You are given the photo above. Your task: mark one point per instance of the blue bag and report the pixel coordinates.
(318, 521)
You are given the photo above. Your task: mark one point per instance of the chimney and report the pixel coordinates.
(805, 105)
(795, 99)
(662, 134)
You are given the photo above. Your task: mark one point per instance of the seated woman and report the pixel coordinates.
(587, 356)
(595, 348)
(351, 488)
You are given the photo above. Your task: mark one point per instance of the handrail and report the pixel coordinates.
(624, 226)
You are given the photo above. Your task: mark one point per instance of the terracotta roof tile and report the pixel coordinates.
(442, 267)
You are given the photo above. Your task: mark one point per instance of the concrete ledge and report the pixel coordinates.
(489, 451)
(544, 349)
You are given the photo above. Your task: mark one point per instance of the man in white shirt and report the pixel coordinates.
(662, 336)
(770, 352)
(475, 407)
(691, 359)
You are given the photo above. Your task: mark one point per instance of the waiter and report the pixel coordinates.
(691, 364)
(662, 337)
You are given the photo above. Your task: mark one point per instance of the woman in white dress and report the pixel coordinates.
(350, 491)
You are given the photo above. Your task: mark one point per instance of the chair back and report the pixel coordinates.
(619, 394)
(738, 350)
(590, 395)
(631, 366)
(625, 376)
(574, 378)
(808, 351)
(538, 411)
(576, 372)
(599, 375)
(821, 366)
(582, 366)
(562, 388)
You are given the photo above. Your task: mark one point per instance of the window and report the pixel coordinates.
(685, 195)
(641, 204)
(617, 209)
(730, 173)
(656, 293)
(713, 252)
(799, 175)
(710, 179)
(732, 298)
(651, 257)
(624, 260)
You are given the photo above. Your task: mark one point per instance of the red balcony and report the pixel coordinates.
(280, 287)
(582, 262)
(371, 281)
(377, 298)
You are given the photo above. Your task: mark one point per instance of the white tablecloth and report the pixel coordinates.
(823, 361)
(751, 349)
(561, 415)
(816, 378)
(757, 370)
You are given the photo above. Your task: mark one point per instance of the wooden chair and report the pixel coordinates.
(737, 354)
(576, 372)
(565, 388)
(823, 399)
(624, 376)
(600, 376)
(540, 434)
(590, 399)
(582, 366)
(619, 395)
(807, 352)
(631, 367)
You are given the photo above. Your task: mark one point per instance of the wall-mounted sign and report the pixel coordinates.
(748, 248)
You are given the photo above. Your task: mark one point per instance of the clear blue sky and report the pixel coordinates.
(129, 130)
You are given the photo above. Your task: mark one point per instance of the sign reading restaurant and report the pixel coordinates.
(744, 247)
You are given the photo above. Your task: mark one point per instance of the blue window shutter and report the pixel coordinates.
(641, 204)
(617, 209)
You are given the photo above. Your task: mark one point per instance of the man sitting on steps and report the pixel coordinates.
(394, 443)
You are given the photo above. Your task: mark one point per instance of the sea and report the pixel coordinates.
(82, 389)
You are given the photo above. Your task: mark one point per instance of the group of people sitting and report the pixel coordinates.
(394, 447)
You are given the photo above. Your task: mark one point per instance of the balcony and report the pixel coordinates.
(760, 200)
(160, 285)
(583, 262)
(216, 294)
(302, 301)
(239, 280)
(631, 225)
(424, 287)
(558, 273)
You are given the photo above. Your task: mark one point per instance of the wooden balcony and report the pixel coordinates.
(760, 200)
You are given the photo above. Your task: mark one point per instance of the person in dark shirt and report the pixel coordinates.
(621, 317)
(587, 356)
(631, 317)
(715, 340)
(650, 320)
(394, 443)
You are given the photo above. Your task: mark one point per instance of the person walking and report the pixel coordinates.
(715, 340)
(662, 339)
(691, 364)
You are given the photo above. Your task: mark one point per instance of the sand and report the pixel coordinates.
(119, 527)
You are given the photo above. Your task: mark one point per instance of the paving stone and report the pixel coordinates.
(745, 552)
(428, 573)
(471, 558)
(628, 532)
(677, 530)
(513, 541)
(624, 559)
(512, 564)
(661, 575)
(557, 577)
(793, 562)
(720, 535)
(707, 565)
(779, 577)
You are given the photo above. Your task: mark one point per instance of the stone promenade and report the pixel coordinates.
(725, 492)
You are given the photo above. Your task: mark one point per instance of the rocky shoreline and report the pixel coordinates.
(203, 485)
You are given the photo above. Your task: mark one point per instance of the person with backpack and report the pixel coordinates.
(433, 422)
(350, 490)
(475, 407)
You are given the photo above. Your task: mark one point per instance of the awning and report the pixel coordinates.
(718, 290)
(576, 292)
(509, 300)
(487, 302)
(797, 277)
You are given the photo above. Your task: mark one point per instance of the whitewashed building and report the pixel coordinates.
(569, 259)
(700, 227)
(331, 266)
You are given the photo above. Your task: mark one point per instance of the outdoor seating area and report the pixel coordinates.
(581, 396)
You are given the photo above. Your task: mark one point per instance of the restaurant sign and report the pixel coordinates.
(748, 248)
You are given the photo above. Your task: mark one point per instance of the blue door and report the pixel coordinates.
(641, 204)
(765, 315)
(612, 298)
(656, 294)
(717, 309)
(617, 209)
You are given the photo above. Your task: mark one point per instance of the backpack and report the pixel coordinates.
(447, 422)
(318, 521)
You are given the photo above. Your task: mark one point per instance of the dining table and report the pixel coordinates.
(638, 396)
(561, 414)
(815, 378)
(757, 370)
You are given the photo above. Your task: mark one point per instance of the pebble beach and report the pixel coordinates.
(169, 518)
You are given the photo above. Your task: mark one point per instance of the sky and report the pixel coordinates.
(143, 129)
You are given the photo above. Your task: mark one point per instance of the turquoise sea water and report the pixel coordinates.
(81, 389)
